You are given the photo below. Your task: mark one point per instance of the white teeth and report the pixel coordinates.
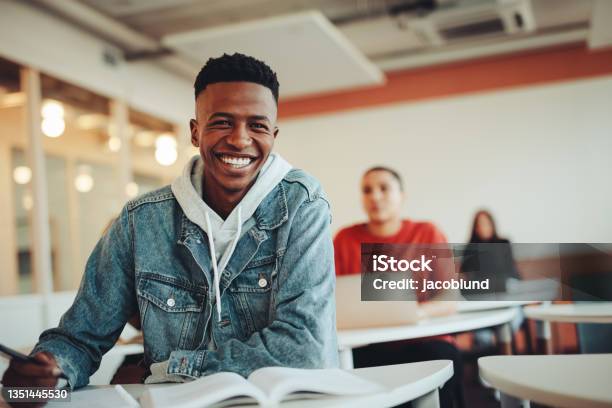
(236, 162)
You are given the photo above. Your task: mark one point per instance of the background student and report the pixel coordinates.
(489, 255)
(382, 199)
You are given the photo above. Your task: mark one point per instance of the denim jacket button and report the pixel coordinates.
(262, 282)
(170, 302)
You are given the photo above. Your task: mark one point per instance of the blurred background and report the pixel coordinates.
(502, 104)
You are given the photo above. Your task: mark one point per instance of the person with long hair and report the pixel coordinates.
(489, 255)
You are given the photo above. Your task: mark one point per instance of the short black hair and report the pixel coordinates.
(394, 173)
(236, 68)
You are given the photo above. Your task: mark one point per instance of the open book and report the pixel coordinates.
(266, 386)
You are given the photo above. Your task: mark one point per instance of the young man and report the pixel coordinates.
(382, 199)
(230, 268)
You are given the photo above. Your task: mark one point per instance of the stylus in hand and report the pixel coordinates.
(14, 354)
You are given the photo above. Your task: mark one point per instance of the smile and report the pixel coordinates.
(235, 161)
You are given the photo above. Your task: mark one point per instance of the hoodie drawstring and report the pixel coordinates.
(213, 256)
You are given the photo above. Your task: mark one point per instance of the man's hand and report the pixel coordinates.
(44, 373)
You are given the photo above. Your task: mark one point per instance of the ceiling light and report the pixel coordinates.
(83, 182)
(165, 149)
(165, 141)
(166, 157)
(52, 109)
(53, 127)
(114, 144)
(22, 175)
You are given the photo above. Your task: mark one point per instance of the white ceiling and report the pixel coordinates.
(320, 59)
(355, 34)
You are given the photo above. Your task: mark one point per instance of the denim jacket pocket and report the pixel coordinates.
(251, 294)
(171, 310)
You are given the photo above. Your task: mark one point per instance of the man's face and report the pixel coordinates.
(235, 128)
(381, 196)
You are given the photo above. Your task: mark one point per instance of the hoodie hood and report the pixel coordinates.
(223, 235)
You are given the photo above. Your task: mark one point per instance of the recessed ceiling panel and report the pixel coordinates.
(308, 53)
(383, 35)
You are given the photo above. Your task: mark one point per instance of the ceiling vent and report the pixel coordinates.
(491, 26)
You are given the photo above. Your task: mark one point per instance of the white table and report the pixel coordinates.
(416, 382)
(565, 381)
(596, 312)
(349, 339)
(479, 305)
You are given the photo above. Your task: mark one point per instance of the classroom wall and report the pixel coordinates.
(538, 157)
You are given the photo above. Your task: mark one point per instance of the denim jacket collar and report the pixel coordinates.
(271, 214)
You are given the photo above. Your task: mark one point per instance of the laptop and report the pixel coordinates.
(352, 313)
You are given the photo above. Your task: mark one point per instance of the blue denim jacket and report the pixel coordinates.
(277, 291)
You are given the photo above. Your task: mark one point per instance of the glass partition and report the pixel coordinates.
(83, 172)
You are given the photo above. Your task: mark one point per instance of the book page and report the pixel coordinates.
(202, 392)
(115, 396)
(279, 382)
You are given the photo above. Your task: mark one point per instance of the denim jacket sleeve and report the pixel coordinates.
(303, 332)
(103, 304)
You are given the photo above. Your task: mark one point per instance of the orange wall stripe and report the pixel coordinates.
(460, 78)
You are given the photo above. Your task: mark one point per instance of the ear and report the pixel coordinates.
(403, 193)
(193, 126)
(275, 131)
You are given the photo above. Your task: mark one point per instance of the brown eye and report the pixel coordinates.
(220, 123)
(259, 126)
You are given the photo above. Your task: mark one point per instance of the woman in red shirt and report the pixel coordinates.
(382, 198)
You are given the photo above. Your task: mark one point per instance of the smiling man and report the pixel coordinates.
(230, 268)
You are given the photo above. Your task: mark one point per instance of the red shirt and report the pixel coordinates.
(347, 244)
(347, 249)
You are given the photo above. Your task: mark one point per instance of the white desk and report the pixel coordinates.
(479, 305)
(596, 312)
(416, 382)
(566, 381)
(349, 339)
